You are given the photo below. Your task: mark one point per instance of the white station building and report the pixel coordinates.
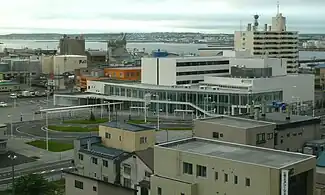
(249, 80)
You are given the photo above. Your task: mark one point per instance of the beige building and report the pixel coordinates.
(272, 130)
(122, 154)
(80, 185)
(127, 137)
(198, 166)
(274, 41)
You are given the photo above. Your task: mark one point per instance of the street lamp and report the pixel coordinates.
(47, 130)
(11, 128)
(157, 110)
(205, 102)
(147, 98)
(12, 157)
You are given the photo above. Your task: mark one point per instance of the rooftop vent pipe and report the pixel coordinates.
(270, 28)
(265, 27)
(263, 109)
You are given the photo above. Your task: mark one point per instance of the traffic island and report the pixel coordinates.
(86, 121)
(72, 128)
(53, 145)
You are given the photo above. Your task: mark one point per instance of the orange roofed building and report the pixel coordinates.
(123, 73)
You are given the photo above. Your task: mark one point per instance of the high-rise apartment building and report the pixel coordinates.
(273, 41)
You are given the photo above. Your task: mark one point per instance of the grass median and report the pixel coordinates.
(53, 145)
(72, 128)
(86, 121)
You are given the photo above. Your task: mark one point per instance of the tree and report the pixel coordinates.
(92, 116)
(34, 184)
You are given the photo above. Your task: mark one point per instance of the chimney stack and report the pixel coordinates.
(88, 145)
(249, 27)
(265, 27)
(288, 112)
(270, 28)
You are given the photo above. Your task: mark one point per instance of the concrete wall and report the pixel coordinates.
(169, 163)
(68, 63)
(234, 134)
(279, 66)
(95, 87)
(138, 169)
(47, 63)
(126, 140)
(89, 169)
(89, 185)
(293, 139)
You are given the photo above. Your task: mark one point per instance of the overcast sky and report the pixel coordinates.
(217, 16)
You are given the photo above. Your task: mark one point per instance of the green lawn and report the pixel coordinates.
(72, 128)
(177, 129)
(86, 121)
(53, 146)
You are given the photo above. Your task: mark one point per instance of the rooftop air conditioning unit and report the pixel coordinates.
(203, 87)
(187, 86)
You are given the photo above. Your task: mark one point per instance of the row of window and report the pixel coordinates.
(275, 38)
(274, 43)
(202, 72)
(143, 140)
(188, 82)
(275, 48)
(80, 185)
(94, 160)
(202, 63)
(201, 171)
(274, 33)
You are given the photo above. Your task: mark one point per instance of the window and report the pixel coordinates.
(105, 163)
(108, 135)
(215, 135)
(94, 160)
(127, 169)
(260, 138)
(216, 175)
(182, 193)
(221, 134)
(226, 177)
(94, 188)
(147, 174)
(187, 168)
(127, 182)
(143, 140)
(81, 156)
(105, 178)
(248, 182)
(120, 137)
(201, 171)
(78, 184)
(235, 179)
(270, 136)
(159, 191)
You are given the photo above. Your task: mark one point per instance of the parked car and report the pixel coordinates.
(13, 95)
(3, 104)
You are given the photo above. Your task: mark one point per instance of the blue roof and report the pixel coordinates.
(320, 66)
(321, 160)
(127, 126)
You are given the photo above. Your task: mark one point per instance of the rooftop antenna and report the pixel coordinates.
(278, 7)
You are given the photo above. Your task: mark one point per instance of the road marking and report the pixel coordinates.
(43, 172)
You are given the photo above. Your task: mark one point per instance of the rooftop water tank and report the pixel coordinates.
(159, 54)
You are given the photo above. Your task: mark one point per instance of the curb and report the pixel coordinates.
(62, 132)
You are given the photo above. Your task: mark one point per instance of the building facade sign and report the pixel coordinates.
(284, 182)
